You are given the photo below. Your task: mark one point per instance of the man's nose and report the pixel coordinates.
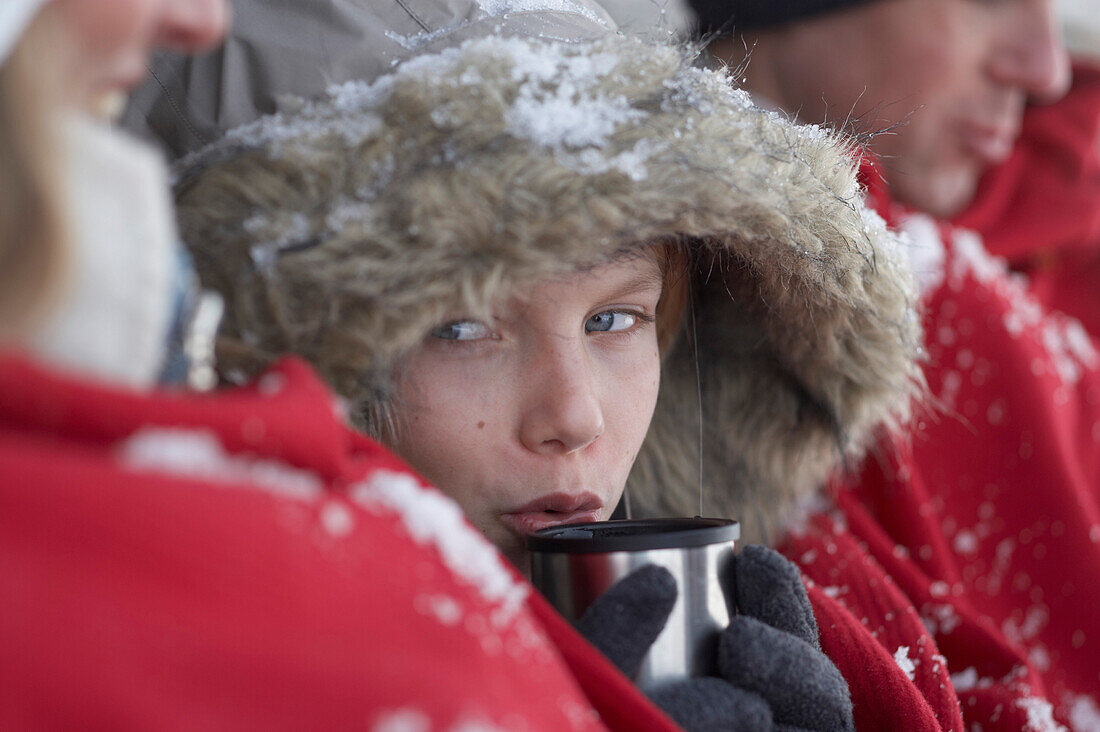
(191, 25)
(1032, 54)
(562, 411)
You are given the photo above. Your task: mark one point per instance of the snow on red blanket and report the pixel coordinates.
(970, 549)
(244, 561)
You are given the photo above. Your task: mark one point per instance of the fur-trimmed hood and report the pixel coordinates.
(345, 228)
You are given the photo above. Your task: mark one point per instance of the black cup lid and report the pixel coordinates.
(633, 536)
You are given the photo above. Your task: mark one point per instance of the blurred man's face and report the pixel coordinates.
(952, 75)
(109, 41)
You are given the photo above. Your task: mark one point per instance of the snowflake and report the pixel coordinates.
(906, 664)
(200, 455)
(1084, 715)
(1040, 715)
(402, 720)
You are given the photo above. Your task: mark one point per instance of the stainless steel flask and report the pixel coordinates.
(572, 565)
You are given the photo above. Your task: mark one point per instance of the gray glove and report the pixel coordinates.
(772, 673)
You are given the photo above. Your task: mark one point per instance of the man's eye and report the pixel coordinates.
(610, 321)
(462, 330)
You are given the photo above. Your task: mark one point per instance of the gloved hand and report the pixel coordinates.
(772, 673)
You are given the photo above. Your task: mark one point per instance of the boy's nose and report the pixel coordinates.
(562, 413)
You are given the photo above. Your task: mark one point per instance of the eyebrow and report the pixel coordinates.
(639, 283)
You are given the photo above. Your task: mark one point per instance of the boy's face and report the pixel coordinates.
(534, 418)
(953, 75)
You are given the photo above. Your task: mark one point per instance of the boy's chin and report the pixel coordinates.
(514, 550)
(521, 560)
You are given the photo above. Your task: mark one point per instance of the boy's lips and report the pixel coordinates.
(552, 510)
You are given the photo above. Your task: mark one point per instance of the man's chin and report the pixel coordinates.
(940, 193)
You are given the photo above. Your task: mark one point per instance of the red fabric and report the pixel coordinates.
(141, 592)
(975, 542)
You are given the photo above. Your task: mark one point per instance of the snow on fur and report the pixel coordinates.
(923, 245)
(556, 105)
(460, 191)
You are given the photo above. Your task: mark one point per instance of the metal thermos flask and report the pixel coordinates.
(572, 565)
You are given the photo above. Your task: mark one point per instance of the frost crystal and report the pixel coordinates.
(433, 519)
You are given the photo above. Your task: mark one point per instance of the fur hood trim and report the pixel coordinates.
(345, 229)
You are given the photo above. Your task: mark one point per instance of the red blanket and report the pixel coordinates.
(970, 550)
(244, 561)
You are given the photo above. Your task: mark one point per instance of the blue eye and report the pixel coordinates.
(610, 321)
(462, 330)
